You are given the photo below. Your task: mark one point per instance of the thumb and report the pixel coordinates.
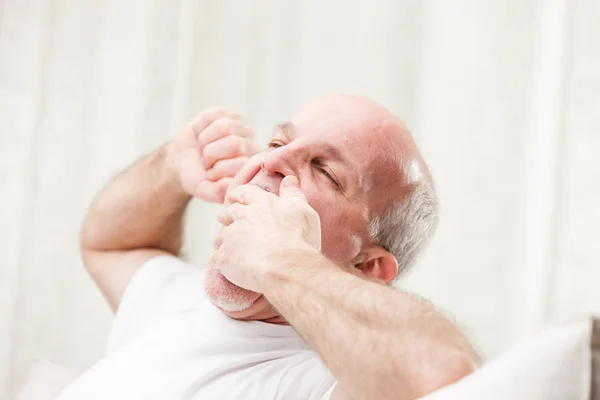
(290, 188)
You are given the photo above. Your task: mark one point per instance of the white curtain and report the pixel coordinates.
(503, 98)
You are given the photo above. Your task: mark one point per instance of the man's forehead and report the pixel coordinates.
(324, 132)
(286, 128)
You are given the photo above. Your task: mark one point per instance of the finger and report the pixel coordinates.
(290, 188)
(219, 237)
(190, 170)
(249, 170)
(208, 116)
(223, 127)
(222, 187)
(212, 191)
(217, 259)
(230, 214)
(227, 147)
(208, 191)
(226, 168)
(247, 194)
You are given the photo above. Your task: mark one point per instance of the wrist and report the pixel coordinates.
(170, 158)
(284, 264)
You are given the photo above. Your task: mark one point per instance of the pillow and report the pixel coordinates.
(561, 362)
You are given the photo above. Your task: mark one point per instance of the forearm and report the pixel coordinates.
(378, 342)
(143, 207)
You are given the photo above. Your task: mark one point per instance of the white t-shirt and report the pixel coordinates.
(169, 342)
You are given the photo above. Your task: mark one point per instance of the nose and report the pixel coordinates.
(282, 161)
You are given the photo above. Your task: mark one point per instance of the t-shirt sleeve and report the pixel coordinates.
(163, 287)
(327, 395)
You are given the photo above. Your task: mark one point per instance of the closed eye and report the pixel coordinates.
(327, 175)
(324, 172)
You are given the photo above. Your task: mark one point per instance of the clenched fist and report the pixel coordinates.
(210, 150)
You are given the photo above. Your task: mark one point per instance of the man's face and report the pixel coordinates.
(344, 159)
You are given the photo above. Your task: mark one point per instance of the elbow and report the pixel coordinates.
(87, 234)
(455, 367)
(86, 245)
(89, 244)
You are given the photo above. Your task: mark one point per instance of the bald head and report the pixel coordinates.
(380, 142)
(361, 171)
(396, 182)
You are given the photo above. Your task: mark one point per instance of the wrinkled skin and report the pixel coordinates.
(352, 159)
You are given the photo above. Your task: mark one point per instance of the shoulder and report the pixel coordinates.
(162, 287)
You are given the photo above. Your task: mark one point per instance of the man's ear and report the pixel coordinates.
(375, 262)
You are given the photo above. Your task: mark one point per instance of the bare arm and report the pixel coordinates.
(140, 213)
(378, 342)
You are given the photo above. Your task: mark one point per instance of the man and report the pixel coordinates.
(315, 228)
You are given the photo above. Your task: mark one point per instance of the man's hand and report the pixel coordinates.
(259, 225)
(210, 150)
(140, 214)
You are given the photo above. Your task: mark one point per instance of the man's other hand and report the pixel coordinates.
(210, 150)
(259, 226)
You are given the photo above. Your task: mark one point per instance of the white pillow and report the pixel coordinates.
(555, 364)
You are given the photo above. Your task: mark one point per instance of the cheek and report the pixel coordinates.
(339, 241)
(337, 244)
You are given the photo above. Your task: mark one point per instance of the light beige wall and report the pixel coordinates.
(503, 98)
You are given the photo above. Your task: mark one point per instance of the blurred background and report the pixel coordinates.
(503, 98)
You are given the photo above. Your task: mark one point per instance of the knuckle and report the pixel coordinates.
(209, 152)
(245, 130)
(248, 147)
(240, 145)
(232, 193)
(214, 112)
(206, 117)
(207, 162)
(221, 126)
(241, 195)
(216, 170)
(233, 139)
(222, 123)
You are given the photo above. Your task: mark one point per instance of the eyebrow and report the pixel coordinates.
(288, 129)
